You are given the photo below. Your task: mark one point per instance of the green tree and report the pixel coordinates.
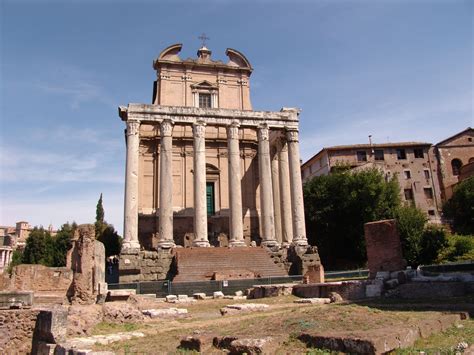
(62, 243)
(460, 207)
(100, 223)
(17, 258)
(433, 240)
(105, 232)
(338, 205)
(39, 247)
(411, 224)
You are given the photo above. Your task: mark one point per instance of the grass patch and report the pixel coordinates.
(107, 328)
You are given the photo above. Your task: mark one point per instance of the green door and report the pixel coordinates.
(210, 198)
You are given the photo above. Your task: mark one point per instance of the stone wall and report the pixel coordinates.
(145, 266)
(17, 327)
(37, 278)
(384, 250)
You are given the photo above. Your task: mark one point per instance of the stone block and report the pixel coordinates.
(373, 290)
(171, 298)
(51, 325)
(239, 293)
(16, 299)
(182, 298)
(223, 342)
(265, 345)
(245, 307)
(218, 294)
(314, 300)
(165, 312)
(314, 274)
(392, 283)
(199, 296)
(196, 342)
(384, 250)
(382, 275)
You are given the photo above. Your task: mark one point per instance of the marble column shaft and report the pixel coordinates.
(166, 186)
(276, 193)
(236, 227)
(297, 204)
(266, 195)
(285, 195)
(200, 203)
(131, 187)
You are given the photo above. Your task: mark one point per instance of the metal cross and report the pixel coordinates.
(203, 38)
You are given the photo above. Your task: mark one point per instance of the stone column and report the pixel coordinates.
(200, 204)
(285, 195)
(276, 192)
(2, 260)
(266, 195)
(296, 186)
(166, 186)
(131, 188)
(236, 227)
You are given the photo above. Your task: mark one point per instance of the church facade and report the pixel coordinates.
(204, 169)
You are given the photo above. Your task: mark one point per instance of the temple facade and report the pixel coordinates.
(204, 169)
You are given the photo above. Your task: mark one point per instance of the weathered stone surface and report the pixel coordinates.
(165, 312)
(81, 345)
(239, 293)
(373, 290)
(199, 296)
(382, 275)
(314, 300)
(171, 298)
(16, 330)
(348, 290)
(182, 298)
(51, 325)
(83, 318)
(315, 274)
(87, 260)
(223, 342)
(218, 294)
(121, 312)
(120, 294)
(245, 307)
(432, 289)
(198, 343)
(335, 297)
(262, 291)
(16, 299)
(384, 250)
(392, 283)
(253, 346)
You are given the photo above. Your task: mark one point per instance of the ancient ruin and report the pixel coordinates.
(204, 169)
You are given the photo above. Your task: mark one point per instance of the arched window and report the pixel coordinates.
(456, 166)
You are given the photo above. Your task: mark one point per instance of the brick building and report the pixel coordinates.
(453, 154)
(414, 164)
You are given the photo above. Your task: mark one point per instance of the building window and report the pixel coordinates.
(427, 174)
(408, 194)
(456, 166)
(431, 213)
(205, 100)
(428, 193)
(210, 194)
(407, 174)
(418, 153)
(361, 155)
(401, 154)
(378, 154)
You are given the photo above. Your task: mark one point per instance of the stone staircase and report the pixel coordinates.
(200, 264)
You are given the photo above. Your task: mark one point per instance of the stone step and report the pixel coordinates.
(197, 264)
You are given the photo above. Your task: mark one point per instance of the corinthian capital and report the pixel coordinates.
(199, 129)
(233, 130)
(166, 128)
(263, 132)
(292, 134)
(133, 128)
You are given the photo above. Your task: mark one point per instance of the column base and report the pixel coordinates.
(300, 242)
(201, 244)
(270, 243)
(237, 243)
(166, 244)
(130, 247)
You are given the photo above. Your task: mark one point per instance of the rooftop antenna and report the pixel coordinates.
(203, 38)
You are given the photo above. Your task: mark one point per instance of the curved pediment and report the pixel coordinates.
(237, 59)
(171, 52)
(212, 169)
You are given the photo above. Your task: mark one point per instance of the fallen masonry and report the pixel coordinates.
(244, 307)
(165, 312)
(314, 300)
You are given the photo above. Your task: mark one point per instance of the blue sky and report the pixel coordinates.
(398, 70)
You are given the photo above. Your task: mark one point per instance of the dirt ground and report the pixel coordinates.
(285, 320)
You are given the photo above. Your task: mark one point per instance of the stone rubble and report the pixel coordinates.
(314, 300)
(165, 312)
(218, 294)
(245, 307)
(81, 345)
